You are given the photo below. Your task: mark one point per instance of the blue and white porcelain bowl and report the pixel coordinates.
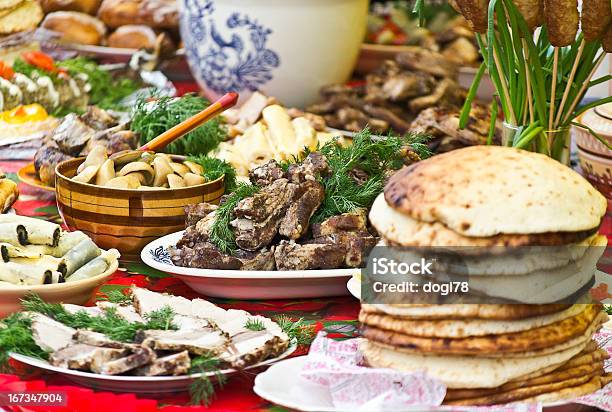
(288, 49)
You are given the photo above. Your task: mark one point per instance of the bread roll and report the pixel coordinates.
(24, 17)
(138, 36)
(83, 6)
(158, 14)
(75, 27)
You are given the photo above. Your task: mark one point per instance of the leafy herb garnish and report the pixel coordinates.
(299, 330)
(15, 336)
(110, 324)
(202, 389)
(31, 71)
(371, 156)
(608, 309)
(254, 324)
(118, 297)
(215, 168)
(150, 119)
(221, 234)
(106, 91)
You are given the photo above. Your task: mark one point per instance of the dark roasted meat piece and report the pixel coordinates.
(45, 161)
(98, 119)
(266, 173)
(293, 256)
(346, 222)
(356, 246)
(295, 222)
(313, 166)
(203, 255)
(175, 364)
(197, 212)
(140, 355)
(72, 134)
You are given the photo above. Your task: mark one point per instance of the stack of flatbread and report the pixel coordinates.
(490, 202)
(19, 15)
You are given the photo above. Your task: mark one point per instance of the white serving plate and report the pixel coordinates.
(354, 287)
(146, 385)
(283, 385)
(252, 284)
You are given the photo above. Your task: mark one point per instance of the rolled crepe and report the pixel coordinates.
(24, 274)
(13, 233)
(95, 267)
(85, 251)
(67, 241)
(39, 232)
(47, 262)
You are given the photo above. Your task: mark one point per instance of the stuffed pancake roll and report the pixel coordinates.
(25, 274)
(39, 232)
(82, 253)
(95, 267)
(8, 251)
(67, 241)
(47, 262)
(13, 233)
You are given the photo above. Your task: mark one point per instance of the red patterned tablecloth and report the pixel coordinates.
(337, 316)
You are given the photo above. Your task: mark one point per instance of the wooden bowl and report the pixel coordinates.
(77, 292)
(126, 219)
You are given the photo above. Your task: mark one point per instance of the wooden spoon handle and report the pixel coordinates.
(225, 102)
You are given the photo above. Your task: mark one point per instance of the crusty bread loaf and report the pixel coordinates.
(76, 27)
(83, 6)
(138, 36)
(25, 16)
(159, 14)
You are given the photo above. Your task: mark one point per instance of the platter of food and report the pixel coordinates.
(252, 284)
(27, 174)
(149, 343)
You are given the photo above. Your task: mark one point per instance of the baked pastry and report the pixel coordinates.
(8, 192)
(75, 27)
(135, 36)
(158, 14)
(84, 6)
(25, 16)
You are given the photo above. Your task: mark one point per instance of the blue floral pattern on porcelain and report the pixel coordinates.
(161, 255)
(235, 58)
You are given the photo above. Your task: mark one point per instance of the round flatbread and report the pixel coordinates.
(593, 385)
(547, 336)
(461, 328)
(463, 371)
(485, 191)
(401, 229)
(458, 311)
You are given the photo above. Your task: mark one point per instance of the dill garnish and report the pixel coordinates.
(150, 119)
(371, 156)
(118, 297)
(221, 234)
(299, 330)
(254, 324)
(110, 324)
(202, 389)
(215, 168)
(15, 336)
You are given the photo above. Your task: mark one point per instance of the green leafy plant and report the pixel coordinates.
(117, 296)
(15, 336)
(152, 118)
(215, 168)
(202, 389)
(299, 330)
(255, 325)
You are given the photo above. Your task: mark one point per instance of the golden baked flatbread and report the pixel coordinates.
(529, 340)
(403, 230)
(464, 371)
(458, 311)
(527, 392)
(461, 328)
(593, 385)
(485, 191)
(24, 17)
(589, 370)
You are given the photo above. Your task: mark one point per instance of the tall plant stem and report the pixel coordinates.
(578, 97)
(528, 78)
(504, 86)
(570, 81)
(553, 89)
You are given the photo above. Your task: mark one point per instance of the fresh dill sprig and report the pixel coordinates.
(150, 119)
(215, 168)
(608, 309)
(372, 157)
(106, 91)
(118, 297)
(299, 158)
(16, 336)
(202, 389)
(221, 234)
(110, 324)
(299, 330)
(254, 324)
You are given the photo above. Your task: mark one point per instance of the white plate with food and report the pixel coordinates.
(137, 384)
(147, 342)
(251, 284)
(283, 385)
